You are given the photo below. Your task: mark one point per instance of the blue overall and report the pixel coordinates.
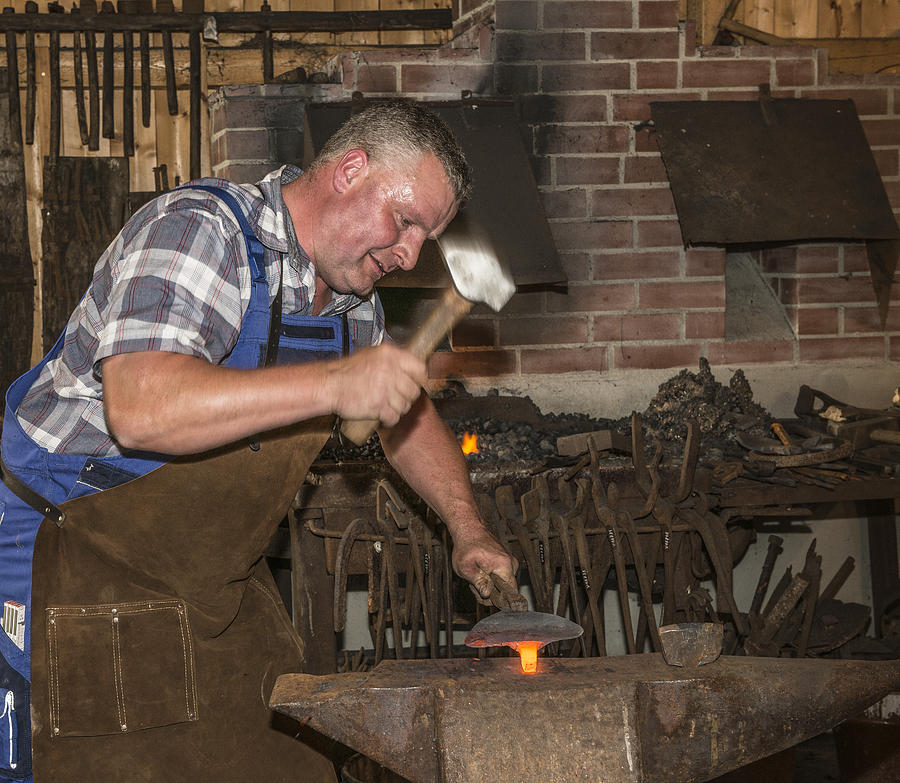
(59, 477)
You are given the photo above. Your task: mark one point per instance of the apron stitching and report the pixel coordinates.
(190, 697)
(117, 674)
(276, 603)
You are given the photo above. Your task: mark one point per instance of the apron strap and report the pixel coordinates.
(28, 496)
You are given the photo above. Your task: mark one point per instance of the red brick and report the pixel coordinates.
(882, 133)
(704, 262)
(635, 266)
(732, 95)
(657, 75)
(586, 170)
(779, 260)
(564, 108)
(821, 348)
(894, 355)
(522, 303)
(814, 320)
(570, 203)
(702, 326)
(717, 51)
(592, 298)
(658, 13)
(653, 357)
(543, 331)
(634, 46)
(587, 14)
(636, 107)
(444, 78)
(515, 14)
(888, 162)
(893, 193)
(557, 360)
(630, 202)
(471, 364)
(867, 101)
(577, 266)
(592, 235)
(868, 319)
(723, 73)
(516, 47)
(795, 73)
(817, 259)
(622, 328)
(376, 78)
(474, 333)
(646, 141)
(645, 168)
(672, 295)
(825, 290)
(659, 233)
(585, 76)
(575, 139)
(690, 37)
(511, 79)
(856, 259)
(750, 352)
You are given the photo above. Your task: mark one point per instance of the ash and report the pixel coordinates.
(722, 411)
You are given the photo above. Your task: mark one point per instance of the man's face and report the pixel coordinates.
(383, 217)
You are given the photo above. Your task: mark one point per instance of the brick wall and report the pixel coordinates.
(585, 72)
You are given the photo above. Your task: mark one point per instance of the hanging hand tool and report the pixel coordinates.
(55, 87)
(30, 77)
(268, 58)
(195, 74)
(476, 275)
(89, 8)
(12, 80)
(166, 7)
(145, 8)
(108, 129)
(128, 7)
(78, 73)
(506, 505)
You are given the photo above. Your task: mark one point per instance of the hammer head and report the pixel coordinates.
(474, 266)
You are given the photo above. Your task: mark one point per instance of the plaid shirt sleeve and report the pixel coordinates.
(175, 286)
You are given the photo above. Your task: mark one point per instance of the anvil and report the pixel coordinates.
(621, 719)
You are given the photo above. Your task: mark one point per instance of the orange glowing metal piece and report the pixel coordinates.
(470, 444)
(528, 652)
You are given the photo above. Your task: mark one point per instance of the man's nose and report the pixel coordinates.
(408, 248)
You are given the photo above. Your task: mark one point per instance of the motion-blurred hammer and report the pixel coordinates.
(477, 276)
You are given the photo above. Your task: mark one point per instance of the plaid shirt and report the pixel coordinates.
(177, 279)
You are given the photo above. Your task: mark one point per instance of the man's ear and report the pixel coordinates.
(351, 168)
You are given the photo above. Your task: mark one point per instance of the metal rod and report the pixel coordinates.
(238, 21)
(12, 77)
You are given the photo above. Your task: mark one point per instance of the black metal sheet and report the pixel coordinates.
(505, 196)
(806, 174)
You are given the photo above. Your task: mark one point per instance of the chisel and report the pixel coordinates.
(109, 125)
(145, 8)
(78, 72)
(89, 8)
(55, 86)
(12, 77)
(166, 7)
(128, 7)
(30, 80)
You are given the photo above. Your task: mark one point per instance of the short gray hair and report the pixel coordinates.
(388, 130)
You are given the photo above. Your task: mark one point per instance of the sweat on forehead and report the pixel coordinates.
(388, 129)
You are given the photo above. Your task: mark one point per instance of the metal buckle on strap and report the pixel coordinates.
(27, 495)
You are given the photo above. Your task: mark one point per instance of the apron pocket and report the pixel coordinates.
(9, 731)
(117, 668)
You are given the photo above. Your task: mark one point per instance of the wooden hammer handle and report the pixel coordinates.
(449, 311)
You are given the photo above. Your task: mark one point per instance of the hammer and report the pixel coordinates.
(476, 275)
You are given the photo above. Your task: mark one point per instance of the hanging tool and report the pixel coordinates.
(195, 74)
(89, 8)
(108, 129)
(268, 57)
(78, 73)
(30, 77)
(12, 80)
(145, 8)
(128, 7)
(166, 7)
(476, 275)
(55, 87)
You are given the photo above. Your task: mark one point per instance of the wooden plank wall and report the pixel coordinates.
(235, 59)
(802, 18)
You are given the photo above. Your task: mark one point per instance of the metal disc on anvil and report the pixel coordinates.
(507, 627)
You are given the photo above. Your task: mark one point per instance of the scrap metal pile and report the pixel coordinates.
(578, 533)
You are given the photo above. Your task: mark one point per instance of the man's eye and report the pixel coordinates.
(405, 222)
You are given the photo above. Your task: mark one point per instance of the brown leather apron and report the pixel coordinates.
(157, 631)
